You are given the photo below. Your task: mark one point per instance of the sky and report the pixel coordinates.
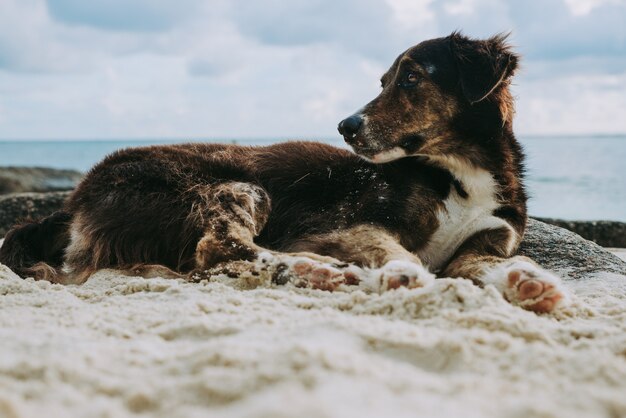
(125, 69)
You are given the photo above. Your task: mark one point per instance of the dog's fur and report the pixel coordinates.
(435, 186)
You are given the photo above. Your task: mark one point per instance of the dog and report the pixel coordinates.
(434, 188)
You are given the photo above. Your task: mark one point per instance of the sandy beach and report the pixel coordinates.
(121, 346)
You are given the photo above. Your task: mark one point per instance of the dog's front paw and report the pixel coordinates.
(398, 273)
(305, 272)
(526, 285)
(316, 275)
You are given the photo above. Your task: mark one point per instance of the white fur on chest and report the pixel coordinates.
(460, 218)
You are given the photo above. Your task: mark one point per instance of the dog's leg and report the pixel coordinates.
(363, 256)
(370, 257)
(231, 215)
(483, 259)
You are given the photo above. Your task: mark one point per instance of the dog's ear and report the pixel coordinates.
(482, 64)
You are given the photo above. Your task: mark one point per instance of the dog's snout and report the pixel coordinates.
(350, 126)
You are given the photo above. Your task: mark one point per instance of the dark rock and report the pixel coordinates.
(566, 253)
(37, 179)
(604, 233)
(20, 206)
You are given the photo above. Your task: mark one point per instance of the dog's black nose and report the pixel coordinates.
(350, 126)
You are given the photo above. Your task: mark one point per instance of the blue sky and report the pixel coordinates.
(283, 68)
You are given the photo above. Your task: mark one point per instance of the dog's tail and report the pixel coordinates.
(36, 248)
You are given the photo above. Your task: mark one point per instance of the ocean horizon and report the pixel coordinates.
(567, 177)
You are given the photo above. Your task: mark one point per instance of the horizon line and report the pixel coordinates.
(273, 138)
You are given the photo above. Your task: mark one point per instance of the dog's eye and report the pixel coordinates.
(410, 79)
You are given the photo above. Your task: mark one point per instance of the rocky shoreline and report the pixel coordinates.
(37, 179)
(32, 193)
(18, 207)
(604, 233)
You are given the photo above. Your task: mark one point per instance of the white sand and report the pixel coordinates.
(118, 346)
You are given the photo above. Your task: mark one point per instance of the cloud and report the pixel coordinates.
(583, 7)
(26, 41)
(32, 42)
(573, 104)
(278, 68)
(561, 33)
(376, 29)
(129, 15)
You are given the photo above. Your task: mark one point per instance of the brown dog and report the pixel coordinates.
(435, 187)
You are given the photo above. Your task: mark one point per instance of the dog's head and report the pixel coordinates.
(435, 100)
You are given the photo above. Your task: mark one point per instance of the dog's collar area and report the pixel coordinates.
(473, 180)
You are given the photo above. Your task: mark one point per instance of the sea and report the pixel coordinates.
(574, 178)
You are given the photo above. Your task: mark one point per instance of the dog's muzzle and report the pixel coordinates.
(349, 127)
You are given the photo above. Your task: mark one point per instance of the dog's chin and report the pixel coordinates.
(381, 157)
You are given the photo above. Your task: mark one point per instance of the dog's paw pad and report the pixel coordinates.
(352, 276)
(533, 288)
(308, 273)
(397, 274)
(317, 275)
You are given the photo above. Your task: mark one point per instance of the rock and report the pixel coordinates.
(37, 179)
(567, 253)
(17, 207)
(604, 233)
